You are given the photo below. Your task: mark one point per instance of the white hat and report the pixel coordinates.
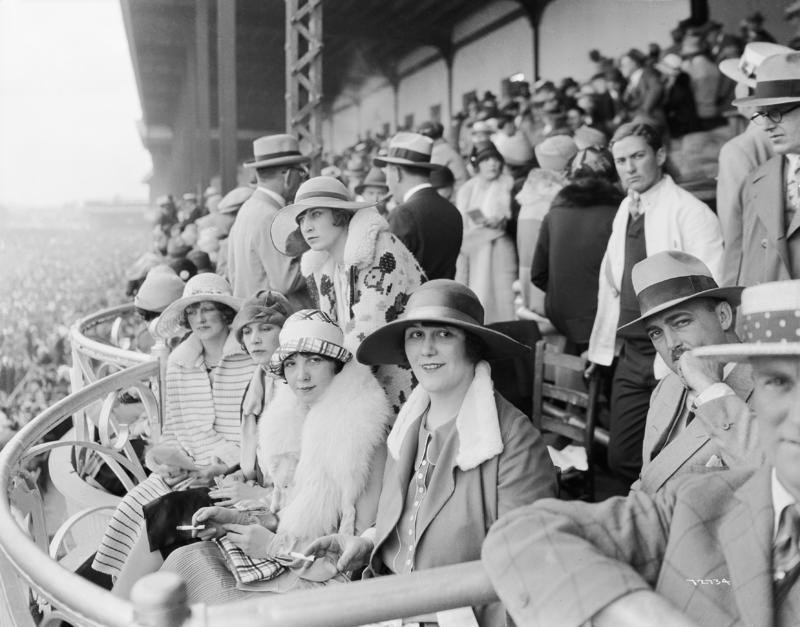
(201, 287)
(408, 149)
(160, 287)
(744, 69)
(777, 82)
(274, 150)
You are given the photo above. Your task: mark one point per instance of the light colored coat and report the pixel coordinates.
(722, 435)
(201, 419)
(703, 542)
(382, 273)
(492, 462)
(676, 220)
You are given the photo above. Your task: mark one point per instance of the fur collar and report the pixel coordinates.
(359, 250)
(477, 423)
(588, 193)
(189, 353)
(333, 445)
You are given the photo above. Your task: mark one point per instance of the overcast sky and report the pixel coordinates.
(68, 104)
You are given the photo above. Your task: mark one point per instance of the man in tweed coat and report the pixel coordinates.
(698, 415)
(713, 550)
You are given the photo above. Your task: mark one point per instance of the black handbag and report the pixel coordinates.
(164, 514)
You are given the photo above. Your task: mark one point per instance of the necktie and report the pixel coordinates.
(785, 551)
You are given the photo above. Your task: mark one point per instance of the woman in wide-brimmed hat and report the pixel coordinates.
(206, 376)
(459, 454)
(321, 449)
(357, 271)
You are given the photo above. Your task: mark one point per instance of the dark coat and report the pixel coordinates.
(431, 228)
(566, 262)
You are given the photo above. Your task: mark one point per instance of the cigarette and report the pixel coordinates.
(190, 527)
(300, 556)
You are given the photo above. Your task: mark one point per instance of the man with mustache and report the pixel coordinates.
(713, 550)
(697, 416)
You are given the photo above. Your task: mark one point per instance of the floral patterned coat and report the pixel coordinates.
(369, 290)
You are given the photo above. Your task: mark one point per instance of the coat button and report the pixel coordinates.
(764, 243)
(726, 426)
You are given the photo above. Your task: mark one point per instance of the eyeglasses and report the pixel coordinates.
(773, 115)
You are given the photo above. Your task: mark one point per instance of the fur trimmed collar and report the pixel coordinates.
(359, 249)
(189, 353)
(332, 445)
(477, 423)
(588, 194)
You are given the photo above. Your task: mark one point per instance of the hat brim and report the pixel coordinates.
(360, 188)
(746, 351)
(386, 345)
(730, 68)
(285, 231)
(755, 101)
(731, 294)
(271, 163)
(382, 162)
(168, 324)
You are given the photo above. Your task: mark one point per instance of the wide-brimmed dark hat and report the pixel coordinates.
(669, 278)
(408, 149)
(777, 82)
(770, 315)
(441, 301)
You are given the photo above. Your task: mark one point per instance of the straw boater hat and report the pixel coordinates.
(672, 277)
(201, 287)
(321, 191)
(309, 331)
(273, 150)
(441, 301)
(770, 313)
(408, 149)
(744, 69)
(777, 83)
(375, 178)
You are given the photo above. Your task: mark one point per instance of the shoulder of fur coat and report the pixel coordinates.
(341, 435)
(359, 250)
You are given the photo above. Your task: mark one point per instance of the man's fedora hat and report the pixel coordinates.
(777, 83)
(375, 178)
(745, 68)
(320, 191)
(770, 315)
(408, 149)
(669, 278)
(441, 301)
(275, 150)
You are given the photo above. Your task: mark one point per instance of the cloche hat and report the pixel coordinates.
(267, 306)
(320, 191)
(309, 331)
(201, 287)
(441, 301)
(161, 287)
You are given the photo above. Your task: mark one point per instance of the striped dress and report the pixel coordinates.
(201, 419)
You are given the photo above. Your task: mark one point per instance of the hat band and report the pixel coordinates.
(789, 88)
(772, 326)
(277, 155)
(439, 311)
(677, 287)
(411, 155)
(334, 195)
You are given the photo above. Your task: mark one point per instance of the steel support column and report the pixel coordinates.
(203, 132)
(304, 76)
(226, 93)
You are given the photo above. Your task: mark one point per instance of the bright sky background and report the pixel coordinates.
(68, 105)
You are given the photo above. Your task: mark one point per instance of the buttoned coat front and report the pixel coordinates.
(766, 242)
(723, 428)
(461, 505)
(704, 543)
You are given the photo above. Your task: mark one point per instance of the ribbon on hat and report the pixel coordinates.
(772, 326)
(277, 155)
(411, 155)
(670, 289)
(789, 88)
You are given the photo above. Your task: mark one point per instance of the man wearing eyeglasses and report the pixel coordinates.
(253, 261)
(771, 215)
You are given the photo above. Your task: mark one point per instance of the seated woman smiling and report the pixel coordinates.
(459, 455)
(336, 419)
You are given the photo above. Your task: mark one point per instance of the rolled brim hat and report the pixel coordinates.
(445, 302)
(202, 287)
(770, 316)
(320, 191)
(309, 331)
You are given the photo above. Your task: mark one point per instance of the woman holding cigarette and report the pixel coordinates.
(206, 377)
(488, 261)
(321, 446)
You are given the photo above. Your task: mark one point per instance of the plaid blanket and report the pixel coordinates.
(246, 569)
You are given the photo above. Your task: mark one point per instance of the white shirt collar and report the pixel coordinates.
(414, 190)
(781, 499)
(276, 197)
